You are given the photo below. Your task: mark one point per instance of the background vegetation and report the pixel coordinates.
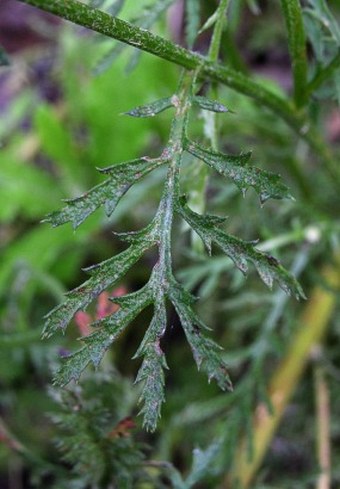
(62, 98)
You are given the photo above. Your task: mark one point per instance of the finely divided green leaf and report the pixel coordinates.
(72, 367)
(151, 371)
(150, 15)
(267, 185)
(150, 110)
(103, 276)
(205, 350)
(242, 252)
(208, 104)
(107, 194)
(108, 329)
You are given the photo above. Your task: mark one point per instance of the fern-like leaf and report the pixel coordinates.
(267, 185)
(106, 332)
(145, 20)
(103, 276)
(205, 351)
(241, 252)
(107, 194)
(152, 368)
(162, 286)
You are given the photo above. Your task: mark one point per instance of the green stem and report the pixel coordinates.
(297, 48)
(214, 50)
(215, 43)
(175, 150)
(101, 22)
(120, 30)
(323, 422)
(198, 186)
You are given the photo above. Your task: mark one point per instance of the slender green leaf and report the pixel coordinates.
(103, 276)
(203, 464)
(151, 371)
(211, 105)
(268, 267)
(267, 185)
(107, 331)
(150, 110)
(205, 351)
(297, 47)
(320, 10)
(209, 22)
(106, 194)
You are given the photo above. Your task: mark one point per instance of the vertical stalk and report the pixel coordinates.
(197, 188)
(297, 48)
(213, 55)
(215, 44)
(322, 406)
(182, 102)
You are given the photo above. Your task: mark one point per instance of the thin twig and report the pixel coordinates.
(322, 406)
(298, 49)
(123, 31)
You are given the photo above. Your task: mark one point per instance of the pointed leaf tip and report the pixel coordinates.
(150, 110)
(107, 193)
(266, 184)
(208, 104)
(241, 252)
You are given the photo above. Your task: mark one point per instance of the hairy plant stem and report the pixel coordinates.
(297, 47)
(174, 152)
(213, 54)
(215, 42)
(101, 22)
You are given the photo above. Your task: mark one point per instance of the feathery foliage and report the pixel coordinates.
(108, 453)
(162, 286)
